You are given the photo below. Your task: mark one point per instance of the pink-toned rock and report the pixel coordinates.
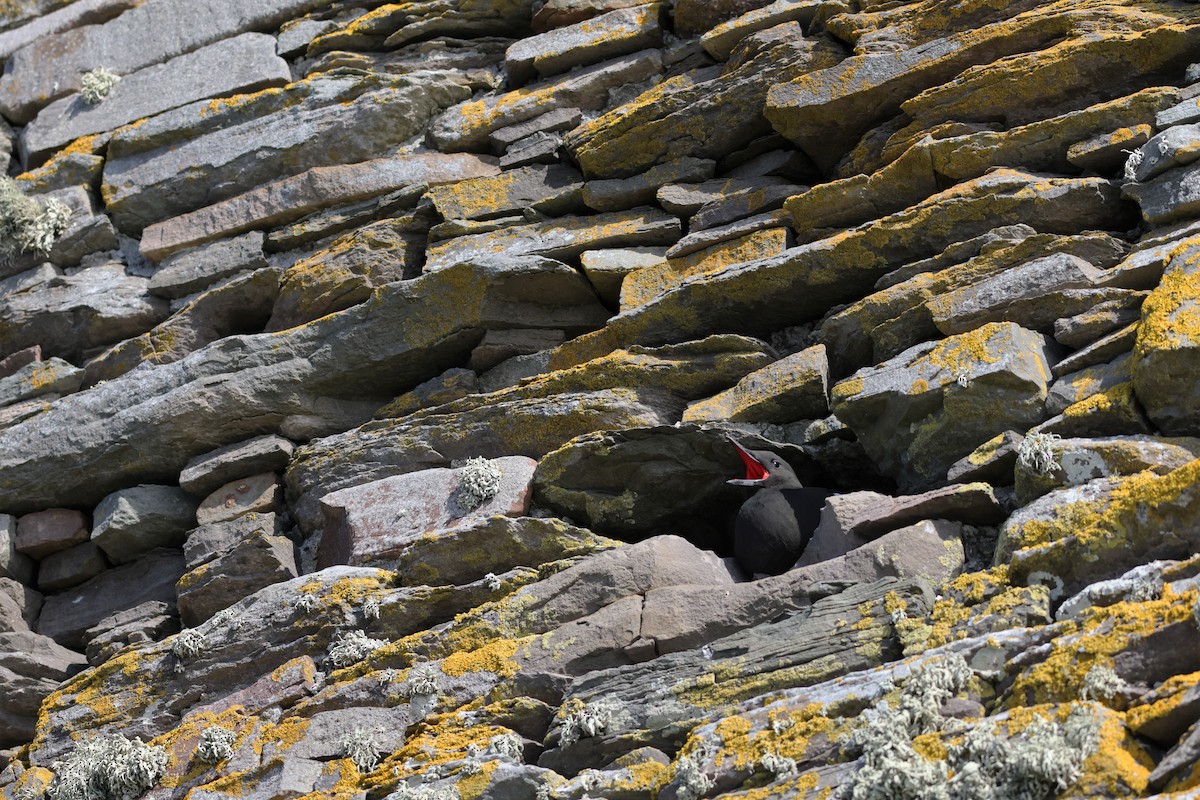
(363, 522)
(10, 364)
(44, 532)
(260, 493)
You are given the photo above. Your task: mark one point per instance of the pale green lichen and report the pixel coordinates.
(362, 748)
(588, 720)
(1036, 453)
(186, 645)
(351, 647)
(478, 482)
(107, 768)
(1102, 683)
(96, 85)
(370, 608)
(1131, 164)
(691, 780)
(215, 744)
(26, 226)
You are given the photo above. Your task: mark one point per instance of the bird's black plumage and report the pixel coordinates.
(775, 525)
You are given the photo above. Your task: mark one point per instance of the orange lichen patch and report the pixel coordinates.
(962, 354)
(474, 785)
(495, 657)
(1170, 693)
(931, 746)
(180, 743)
(1119, 767)
(846, 388)
(281, 736)
(1115, 399)
(440, 739)
(1103, 633)
(1171, 314)
(647, 778)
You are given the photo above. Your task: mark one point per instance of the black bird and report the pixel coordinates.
(775, 525)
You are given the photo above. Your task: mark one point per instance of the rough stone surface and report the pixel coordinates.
(188, 272)
(130, 522)
(259, 494)
(206, 473)
(45, 532)
(256, 561)
(363, 523)
(31, 666)
(151, 621)
(1164, 363)
(19, 606)
(616, 33)
(211, 541)
(52, 376)
(13, 563)
(795, 387)
(70, 567)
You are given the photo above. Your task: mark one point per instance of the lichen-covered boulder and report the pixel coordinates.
(921, 411)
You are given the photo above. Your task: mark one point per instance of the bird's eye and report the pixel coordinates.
(775, 462)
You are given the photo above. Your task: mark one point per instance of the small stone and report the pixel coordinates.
(212, 541)
(204, 474)
(561, 119)
(253, 563)
(993, 461)
(451, 385)
(19, 606)
(553, 190)
(607, 269)
(151, 621)
(795, 387)
(538, 148)
(1106, 153)
(259, 493)
(131, 522)
(701, 240)
(1175, 147)
(38, 378)
(609, 35)
(1172, 196)
(10, 364)
(618, 194)
(741, 204)
(721, 39)
(71, 567)
(44, 532)
(33, 666)
(192, 270)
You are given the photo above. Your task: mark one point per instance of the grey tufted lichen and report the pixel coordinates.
(107, 768)
(96, 85)
(215, 744)
(478, 482)
(27, 226)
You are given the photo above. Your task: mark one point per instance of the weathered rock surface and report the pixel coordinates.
(257, 494)
(795, 387)
(13, 563)
(207, 473)
(70, 567)
(616, 33)
(257, 561)
(45, 532)
(31, 667)
(130, 522)
(189, 272)
(52, 376)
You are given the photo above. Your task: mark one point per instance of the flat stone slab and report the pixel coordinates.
(13, 563)
(378, 518)
(151, 33)
(44, 532)
(561, 119)
(41, 377)
(618, 194)
(19, 606)
(256, 494)
(1174, 195)
(70, 567)
(607, 268)
(339, 119)
(78, 13)
(794, 387)
(33, 666)
(616, 33)
(259, 560)
(720, 40)
(133, 521)
(213, 541)
(67, 615)
(553, 190)
(565, 237)
(287, 200)
(244, 63)
(190, 271)
(205, 474)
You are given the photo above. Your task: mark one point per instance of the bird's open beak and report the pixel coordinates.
(756, 473)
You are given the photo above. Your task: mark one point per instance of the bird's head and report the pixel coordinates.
(764, 469)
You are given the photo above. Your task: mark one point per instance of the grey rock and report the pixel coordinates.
(86, 232)
(70, 567)
(1107, 152)
(851, 520)
(1027, 294)
(9, 365)
(244, 63)
(338, 219)
(618, 194)
(617, 33)
(243, 302)
(1174, 147)
(322, 738)
(699, 240)
(68, 315)
(1172, 196)
(44, 532)
(13, 563)
(993, 461)
(741, 204)
(794, 387)
(1179, 758)
(468, 125)
(375, 519)
(73, 15)
(1164, 365)
(66, 616)
(561, 238)
(40, 377)
(296, 35)
(686, 199)
(1082, 384)
(606, 269)
(192, 270)
(284, 201)
(131, 522)
(919, 413)
(453, 384)
(1077, 461)
(259, 560)
(495, 545)
(721, 40)
(151, 621)
(31, 667)
(1183, 113)
(561, 119)
(163, 31)
(206, 473)
(341, 119)
(19, 606)
(539, 148)
(557, 13)
(315, 379)
(1121, 309)
(725, 106)
(259, 494)
(1103, 350)
(212, 541)
(498, 346)
(552, 190)
(1143, 267)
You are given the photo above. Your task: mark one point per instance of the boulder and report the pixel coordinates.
(204, 474)
(95, 306)
(259, 560)
(257, 494)
(19, 606)
(31, 667)
(1167, 351)
(552, 190)
(13, 563)
(44, 532)
(616, 33)
(151, 621)
(193, 270)
(70, 567)
(243, 63)
(378, 518)
(208, 542)
(337, 120)
(130, 522)
(66, 616)
(923, 410)
(794, 387)
(40, 22)
(52, 376)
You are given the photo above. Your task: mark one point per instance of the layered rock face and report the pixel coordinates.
(366, 371)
